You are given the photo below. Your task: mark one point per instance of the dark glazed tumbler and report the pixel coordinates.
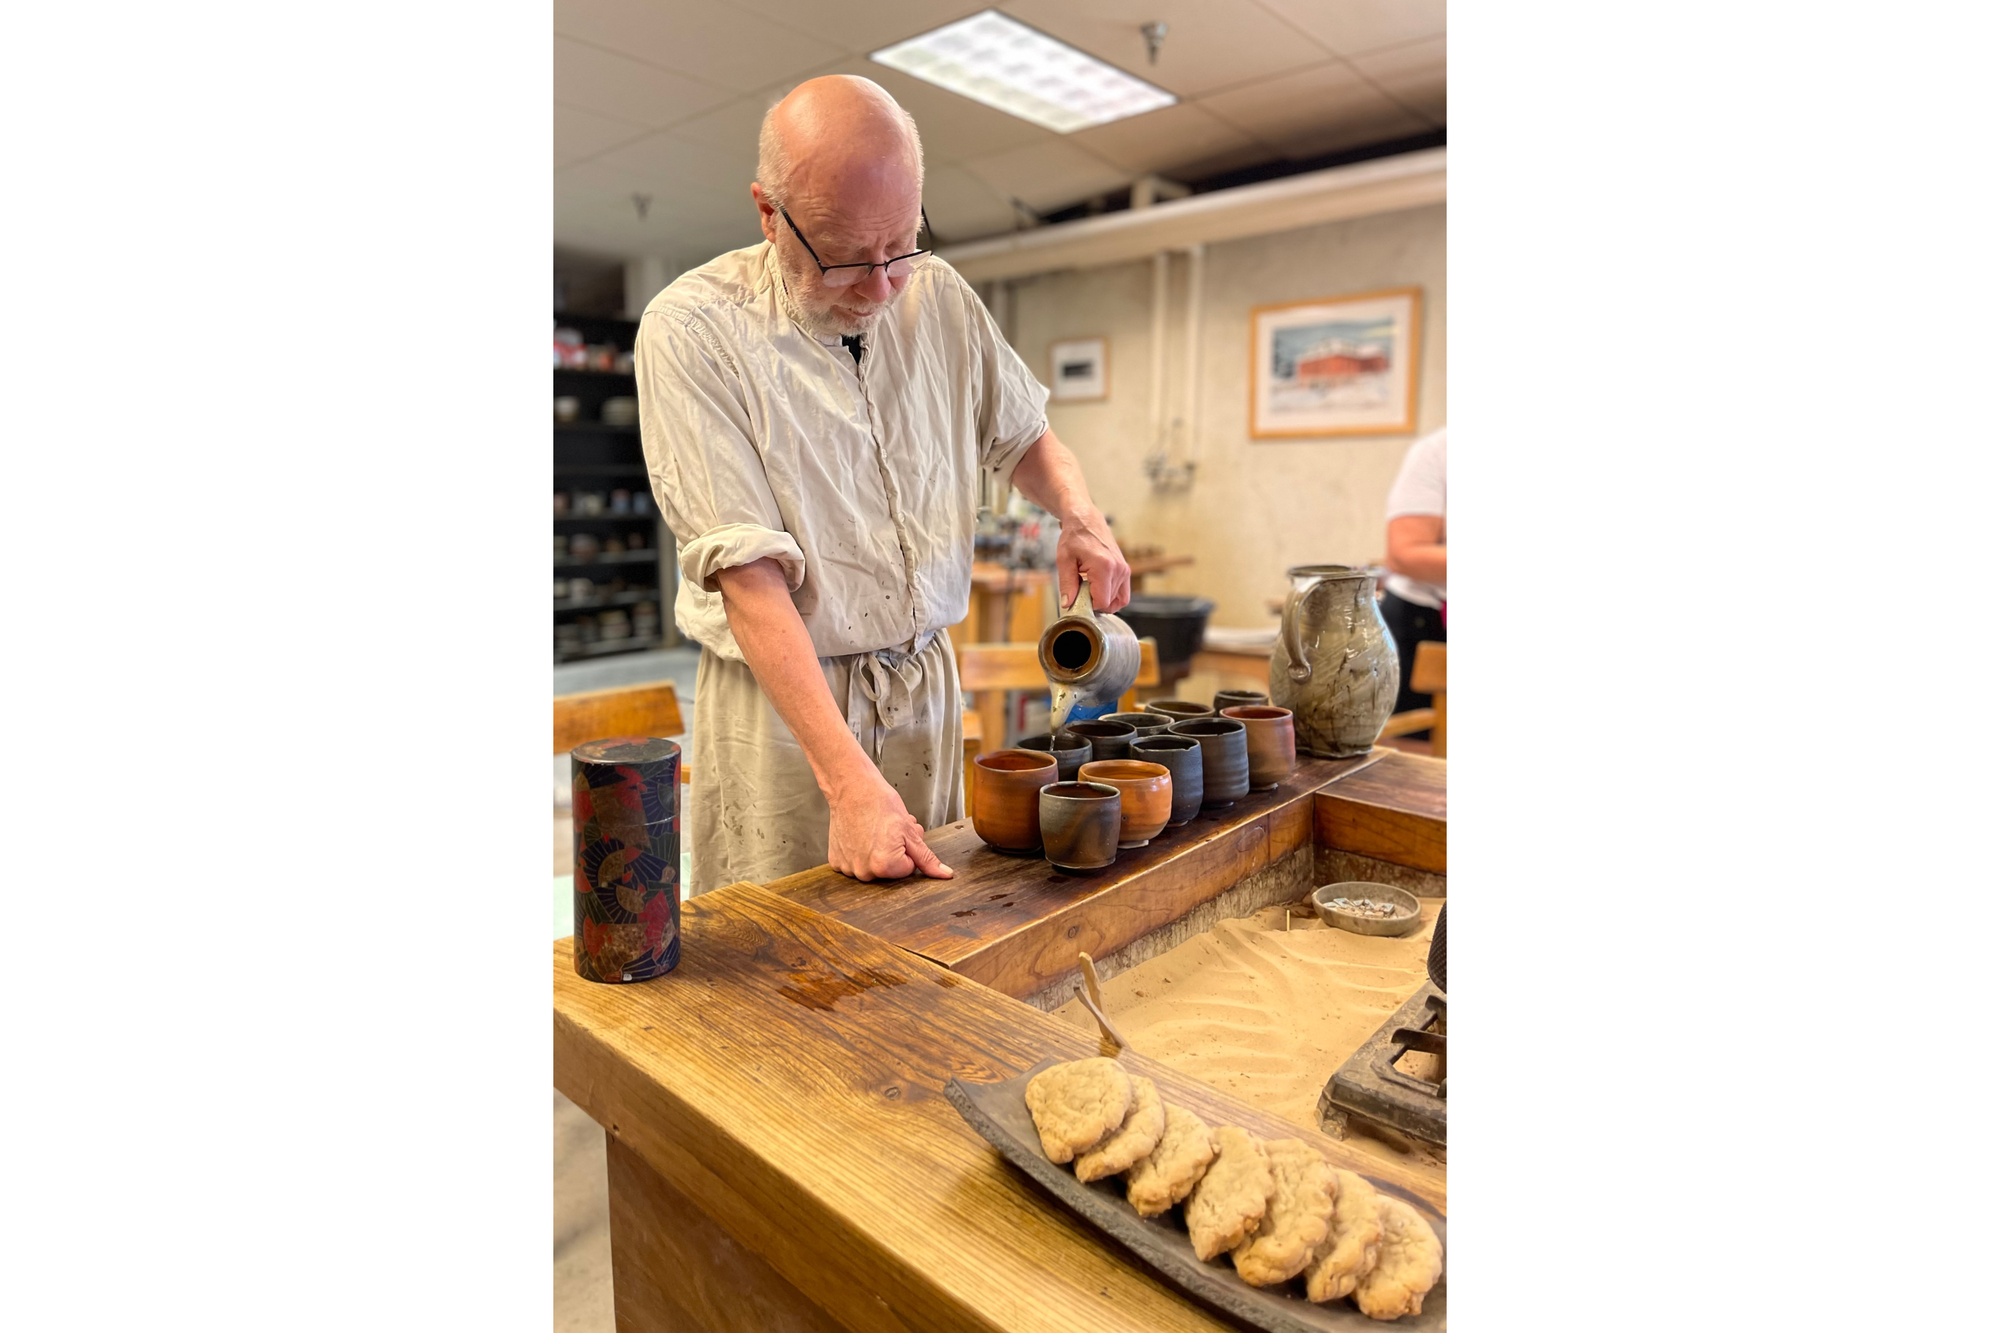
(1180, 756)
(1225, 758)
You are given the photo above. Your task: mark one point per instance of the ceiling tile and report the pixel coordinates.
(721, 43)
(611, 85)
(664, 160)
(1316, 111)
(584, 134)
(962, 206)
(1350, 27)
(868, 27)
(1210, 44)
(1413, 74)
(1164, 140)
(1047, 176)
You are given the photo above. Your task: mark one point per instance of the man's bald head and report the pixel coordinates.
(845, 163)
(835, 135)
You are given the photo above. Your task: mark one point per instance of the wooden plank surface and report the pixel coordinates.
(1393, 811)
(787, 1078)
(672, 1268)
(626, 710)
(1017, 923)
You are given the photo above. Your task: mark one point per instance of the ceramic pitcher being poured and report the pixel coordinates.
(1090, 660)
(1336, 665)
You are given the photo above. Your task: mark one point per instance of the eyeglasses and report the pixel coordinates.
(846, 275)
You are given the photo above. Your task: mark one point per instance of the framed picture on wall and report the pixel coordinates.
(1338, 365)
(1079, 370)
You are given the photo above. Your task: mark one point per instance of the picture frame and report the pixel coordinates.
(1336, 365)
(1079, 370)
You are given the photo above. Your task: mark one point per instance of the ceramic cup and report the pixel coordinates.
(1080, 824)
(1225, 758)
(1006, 798)
(1237, 698)
(1180, 756)
(1178, 710)
(1273, 748)
(1108, 739)
(1071, 752)
(1142, 722)
(1145, 793)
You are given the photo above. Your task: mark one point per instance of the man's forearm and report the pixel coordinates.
(780, 653)
(1422, 563)
(1049, 475)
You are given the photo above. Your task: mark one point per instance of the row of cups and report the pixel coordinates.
(1082, 795)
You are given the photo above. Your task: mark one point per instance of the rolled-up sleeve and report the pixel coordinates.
(706, 472)
(1013, 404)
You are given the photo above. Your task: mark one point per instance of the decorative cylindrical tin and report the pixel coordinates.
(626, 794)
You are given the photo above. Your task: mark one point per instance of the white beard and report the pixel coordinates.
(830, 323)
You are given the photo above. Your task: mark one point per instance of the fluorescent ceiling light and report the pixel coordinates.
(1009, 66)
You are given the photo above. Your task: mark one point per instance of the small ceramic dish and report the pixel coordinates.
(1407, 917)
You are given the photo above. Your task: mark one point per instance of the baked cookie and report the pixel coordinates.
(1164, 1176)
(1231, 1195)
(1350, 1246)
(1077, 1103)
(1408, 1266)
(1139, 1135)
(1295, 1216)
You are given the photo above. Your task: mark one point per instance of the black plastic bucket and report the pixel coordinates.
(1176, 624)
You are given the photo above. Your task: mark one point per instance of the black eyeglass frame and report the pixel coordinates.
(825, 268)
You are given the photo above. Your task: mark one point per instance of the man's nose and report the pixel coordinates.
(876, 286)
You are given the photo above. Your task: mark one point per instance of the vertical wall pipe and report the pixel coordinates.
(1196, 254)
(1156, 440)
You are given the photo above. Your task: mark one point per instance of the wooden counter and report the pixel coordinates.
(781, 1156)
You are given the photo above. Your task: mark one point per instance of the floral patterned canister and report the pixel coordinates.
(628, 858)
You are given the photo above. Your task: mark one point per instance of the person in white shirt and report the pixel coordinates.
(816, 413)
(1413, 595)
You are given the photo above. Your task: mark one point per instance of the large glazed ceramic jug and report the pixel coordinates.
(1335, 666)
(1090, 660)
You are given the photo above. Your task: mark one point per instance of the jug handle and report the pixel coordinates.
(1296, 665)
(1082, 596)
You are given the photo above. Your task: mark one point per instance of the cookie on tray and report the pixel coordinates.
(1077, 1103)
(1164, 1176)
(1409, 1265)
(1138, 1136)
(1230, 1198)
(1295, 1217)
(1351, 1242)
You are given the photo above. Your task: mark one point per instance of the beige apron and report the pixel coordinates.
(755, 811)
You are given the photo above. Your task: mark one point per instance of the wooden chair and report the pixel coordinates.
(1426, 677)
(651, 709)
(986, 671)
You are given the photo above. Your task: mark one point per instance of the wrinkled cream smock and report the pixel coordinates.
(862, 483)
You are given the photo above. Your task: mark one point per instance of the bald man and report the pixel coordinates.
(816, 412)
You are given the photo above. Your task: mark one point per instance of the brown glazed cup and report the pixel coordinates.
(1237, 698)
(1178, 710)
(1142, 722)
(1108, 739)
(1180, 756)
(1071, 752)
(1080, 824)
(1225, 758)
(1007, 798)
(1273, 748)
(1145, 794)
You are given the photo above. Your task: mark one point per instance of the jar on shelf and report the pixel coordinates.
(614, 545)
(621, 501)
(562, 502)
(583, 547)
(590, 503)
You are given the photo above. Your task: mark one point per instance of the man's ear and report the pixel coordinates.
(767, 216)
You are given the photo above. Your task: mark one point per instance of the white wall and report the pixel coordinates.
(1255, 507)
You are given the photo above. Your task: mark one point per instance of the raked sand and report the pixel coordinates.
(1268, 1013)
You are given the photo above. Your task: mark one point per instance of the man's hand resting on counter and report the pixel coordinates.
(871, 835)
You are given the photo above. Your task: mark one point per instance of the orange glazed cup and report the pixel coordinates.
(1007, 798)
(1145, 796)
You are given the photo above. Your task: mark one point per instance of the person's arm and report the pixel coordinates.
(870, 834)
(1049, 475)
(1416, 547)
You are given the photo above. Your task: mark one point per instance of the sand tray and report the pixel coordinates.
(999, 1111)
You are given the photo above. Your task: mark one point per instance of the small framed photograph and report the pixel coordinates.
(1079, 370)
(1338, 365)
